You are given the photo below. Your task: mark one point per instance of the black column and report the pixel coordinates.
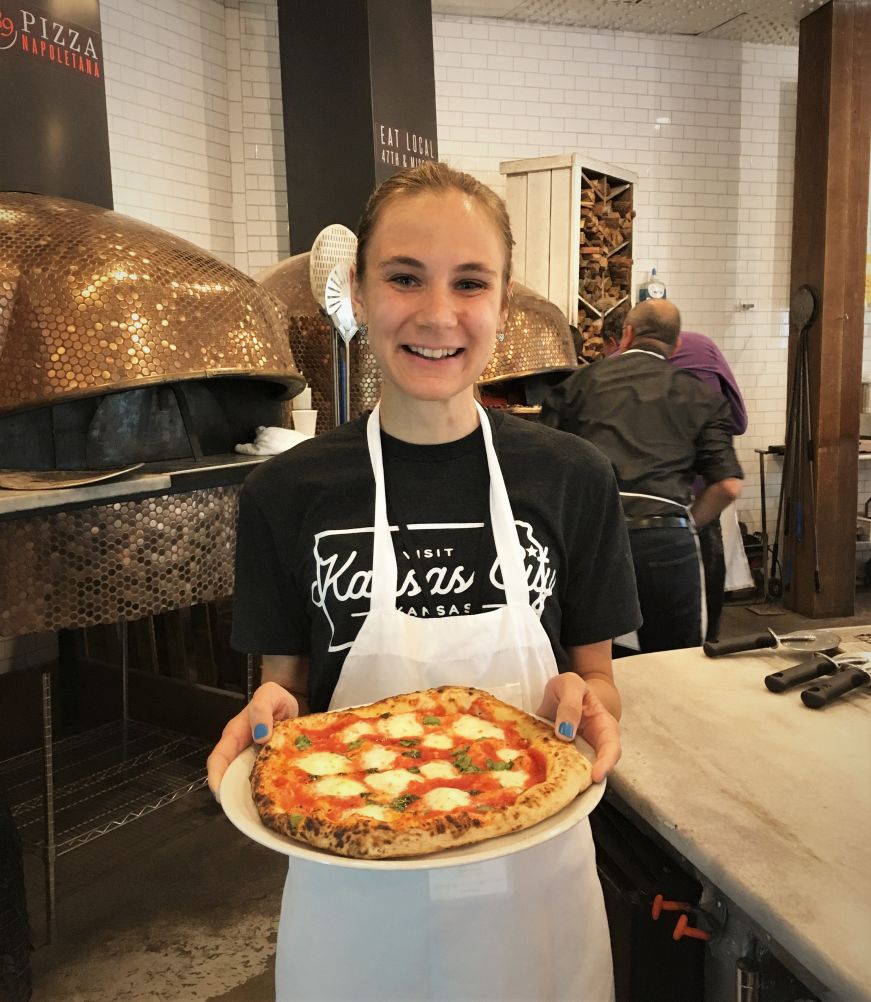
(54, 136)
(359, 104)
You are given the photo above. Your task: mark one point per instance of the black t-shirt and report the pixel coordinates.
(659, 425)
(304, 544)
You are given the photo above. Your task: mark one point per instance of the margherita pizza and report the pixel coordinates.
(414, 774)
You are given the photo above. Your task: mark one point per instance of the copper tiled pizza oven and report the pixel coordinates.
(311, 337)
(121, 343)
(537, 352)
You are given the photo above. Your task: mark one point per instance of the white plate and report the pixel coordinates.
(239, 807)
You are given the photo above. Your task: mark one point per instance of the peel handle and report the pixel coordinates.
(753, 642)
(807, 671)
(845, 680)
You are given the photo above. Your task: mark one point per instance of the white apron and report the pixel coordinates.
(529, 927)
(738, 575)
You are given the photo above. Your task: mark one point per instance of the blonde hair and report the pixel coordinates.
(431, 176)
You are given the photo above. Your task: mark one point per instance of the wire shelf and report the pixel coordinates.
(103, 779)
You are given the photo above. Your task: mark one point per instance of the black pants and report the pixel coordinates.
(669, 588)
(714, 559)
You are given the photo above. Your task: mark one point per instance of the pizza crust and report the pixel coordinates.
(567, 774)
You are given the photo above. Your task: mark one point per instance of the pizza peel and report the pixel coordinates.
(802, 641)
(332, 256)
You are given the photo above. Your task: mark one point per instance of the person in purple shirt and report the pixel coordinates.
(699, 355)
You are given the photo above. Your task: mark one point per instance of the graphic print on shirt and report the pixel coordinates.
(448, 554)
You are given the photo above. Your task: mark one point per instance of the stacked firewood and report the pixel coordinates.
(605, 266)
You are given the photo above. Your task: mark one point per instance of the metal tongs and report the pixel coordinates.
(845, 672)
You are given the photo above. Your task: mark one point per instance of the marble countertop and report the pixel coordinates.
(769, 800)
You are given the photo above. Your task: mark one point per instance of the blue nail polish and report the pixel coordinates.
(260, 731)
(566, 729)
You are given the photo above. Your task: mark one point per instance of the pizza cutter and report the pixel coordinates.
(805, 671)
(805, 641)
(852, 673)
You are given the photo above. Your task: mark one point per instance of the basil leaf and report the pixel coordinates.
(400, 803)
(463, 762)
(354, 744)
(411, 753)
(409, 742)
(412, 768)
(432, 721)
(302, 742)
(295, 821)
(499, 766)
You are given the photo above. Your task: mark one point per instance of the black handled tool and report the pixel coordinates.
(807, 671)
(816, 642)
(847, 678)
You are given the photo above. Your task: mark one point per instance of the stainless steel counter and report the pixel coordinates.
(767, 799)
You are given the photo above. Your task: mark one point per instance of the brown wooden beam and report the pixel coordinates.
(830, 212)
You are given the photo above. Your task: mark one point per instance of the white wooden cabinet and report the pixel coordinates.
(572, 222)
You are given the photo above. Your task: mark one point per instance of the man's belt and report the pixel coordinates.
(658, 522)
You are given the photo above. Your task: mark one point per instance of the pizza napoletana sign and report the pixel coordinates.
(37, 35)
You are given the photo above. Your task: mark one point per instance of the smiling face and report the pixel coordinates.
(433, 294)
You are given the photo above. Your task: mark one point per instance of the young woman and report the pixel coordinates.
(493, 544)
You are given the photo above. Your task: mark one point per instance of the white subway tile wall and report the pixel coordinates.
(709, 127)
(193, 95)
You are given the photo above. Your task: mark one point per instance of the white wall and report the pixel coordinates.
(714, 200)
(193, 95)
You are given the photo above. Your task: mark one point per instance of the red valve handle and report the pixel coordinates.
(682, 928)
(660, 905)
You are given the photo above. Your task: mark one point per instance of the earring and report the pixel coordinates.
(500, 336)
(363, 329)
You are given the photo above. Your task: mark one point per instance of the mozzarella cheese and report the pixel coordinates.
(511, 778)
(338, 786)
(445, 798)
(378, 758)
(508, 754)
(400, 725)
(369, 811)
(473, 728)
(393, 782)
(357, 730)
(437, 741)
(324, 764)
(438, 770)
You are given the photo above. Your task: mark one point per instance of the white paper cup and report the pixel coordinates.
(305, 421)
(303, 401)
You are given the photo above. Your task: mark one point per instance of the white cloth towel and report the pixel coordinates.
(271, 441)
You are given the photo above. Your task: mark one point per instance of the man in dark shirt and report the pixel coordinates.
(660, 427)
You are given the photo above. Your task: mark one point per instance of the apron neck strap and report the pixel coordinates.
(508, 548)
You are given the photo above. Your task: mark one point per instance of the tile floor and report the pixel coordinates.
(180, 906)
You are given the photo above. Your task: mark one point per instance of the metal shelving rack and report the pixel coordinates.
(82, 787)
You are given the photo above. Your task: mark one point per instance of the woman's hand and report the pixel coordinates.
(271, 702)
(575, 708)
